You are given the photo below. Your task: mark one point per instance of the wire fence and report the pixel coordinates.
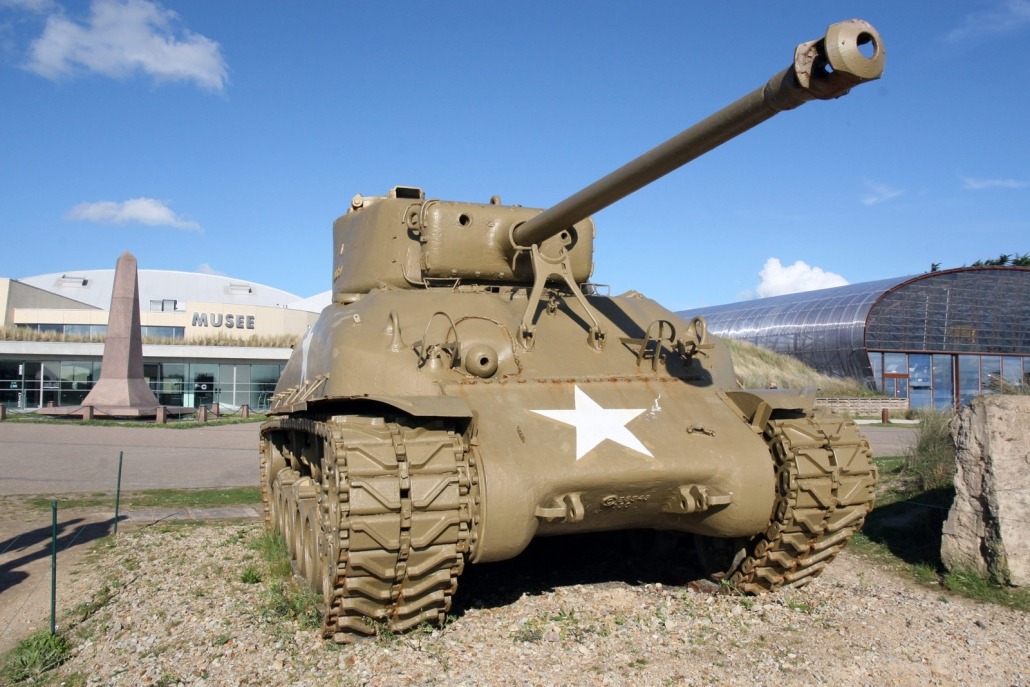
(23, 570)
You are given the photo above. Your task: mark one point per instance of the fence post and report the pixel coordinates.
(53, 571)
(202, 414)
(3, 412)
(118, 493)
(245, 411)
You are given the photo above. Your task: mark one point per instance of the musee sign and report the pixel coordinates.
(229, 321)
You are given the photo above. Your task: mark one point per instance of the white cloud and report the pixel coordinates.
(880, 193)
(1005, 17)
(778, 280)
(123, 37)
(205, 268)
(136, 211)
(980, 184)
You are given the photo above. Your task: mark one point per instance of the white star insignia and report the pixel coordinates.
(594, 424)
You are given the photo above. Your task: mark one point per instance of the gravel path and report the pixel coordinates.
(181, 614)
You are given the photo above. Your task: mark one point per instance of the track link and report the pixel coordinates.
(824, 481)
(386, 532)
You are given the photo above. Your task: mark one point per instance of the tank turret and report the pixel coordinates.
(445, 408)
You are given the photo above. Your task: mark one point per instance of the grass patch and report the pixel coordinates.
(85, 610)
(34, 418)
(284, 597)
(158, 498)
(250, 575)
(34, 656)
(21, 333)
(970, 584)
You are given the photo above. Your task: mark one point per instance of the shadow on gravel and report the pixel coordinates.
(33, 545)
(632, 557)
(911, 529)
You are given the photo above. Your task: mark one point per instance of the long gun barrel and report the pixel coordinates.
(823, 69)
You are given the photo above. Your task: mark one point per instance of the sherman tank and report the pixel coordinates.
(469, 389)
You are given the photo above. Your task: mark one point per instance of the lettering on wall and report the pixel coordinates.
(228, 320)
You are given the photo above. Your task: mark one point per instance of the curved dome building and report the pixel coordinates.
(937, 339)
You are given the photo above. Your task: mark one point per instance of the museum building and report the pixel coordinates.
(937, 339)
(207, 338)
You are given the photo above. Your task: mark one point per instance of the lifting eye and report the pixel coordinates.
(481, 361)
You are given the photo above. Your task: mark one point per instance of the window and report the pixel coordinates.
(968, 377)
(990, 373)
(943, 381)
(163, 305)
(920, 380)
(876, 364)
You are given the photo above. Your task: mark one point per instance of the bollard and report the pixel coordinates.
(3, 412)
(87, 413)
(885, 416)
(244, 411)
(216, 409)
(202, 414)
(162, 415)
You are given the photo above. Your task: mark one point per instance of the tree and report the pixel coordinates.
(1003, 260)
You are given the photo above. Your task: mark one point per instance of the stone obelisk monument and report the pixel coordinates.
(122, 389)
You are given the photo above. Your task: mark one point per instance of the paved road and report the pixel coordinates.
(61, 459)
(65, 459)
(890, 441)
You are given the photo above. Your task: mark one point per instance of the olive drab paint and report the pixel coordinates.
(469, 389)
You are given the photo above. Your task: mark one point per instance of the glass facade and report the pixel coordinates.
(982, 310)
(937, 339)
(943, 380)
(825, 329)
(34, 384)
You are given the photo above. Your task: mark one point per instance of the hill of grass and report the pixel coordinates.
(757, 368)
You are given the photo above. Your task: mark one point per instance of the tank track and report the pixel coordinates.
(824, 482)
(378, 517)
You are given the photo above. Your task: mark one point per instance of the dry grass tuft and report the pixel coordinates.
(16, 333)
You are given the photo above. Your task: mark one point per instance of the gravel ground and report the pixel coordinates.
(181, 614)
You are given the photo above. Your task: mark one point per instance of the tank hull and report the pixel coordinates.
(412, 434)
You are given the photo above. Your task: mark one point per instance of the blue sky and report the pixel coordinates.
(226, 136)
